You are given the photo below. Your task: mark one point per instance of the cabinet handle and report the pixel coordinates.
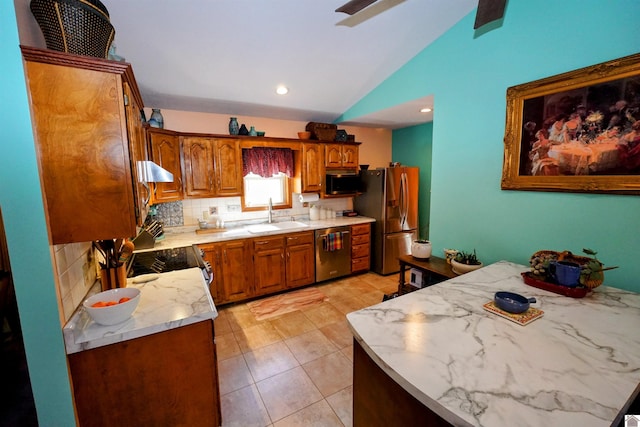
(210, 183)
(262, 242)
(225, 256)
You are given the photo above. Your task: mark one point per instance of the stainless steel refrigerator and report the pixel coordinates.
(390, 195)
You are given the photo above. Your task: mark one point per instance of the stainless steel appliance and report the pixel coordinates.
(390, 195)
(342, 183)
(165, 260)
(333, 260)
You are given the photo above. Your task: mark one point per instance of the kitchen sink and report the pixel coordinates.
(275, 226)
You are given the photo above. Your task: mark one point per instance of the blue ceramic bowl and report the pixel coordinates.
(512, 303)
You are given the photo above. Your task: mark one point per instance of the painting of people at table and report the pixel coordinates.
(593, 130)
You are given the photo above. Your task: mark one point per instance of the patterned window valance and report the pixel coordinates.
(267, 162)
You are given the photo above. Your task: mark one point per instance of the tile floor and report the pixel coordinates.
(294, 369)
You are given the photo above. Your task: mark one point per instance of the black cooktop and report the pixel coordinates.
(163, 260)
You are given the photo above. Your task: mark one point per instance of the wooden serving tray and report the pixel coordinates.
(210, 230)
(524, 318)
(575, 292)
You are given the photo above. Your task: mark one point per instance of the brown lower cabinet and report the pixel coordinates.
(232, 264)
(169, 378)
(246, 268)
(379, 401)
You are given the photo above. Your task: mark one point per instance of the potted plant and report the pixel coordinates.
(465, 262)
(421, 249)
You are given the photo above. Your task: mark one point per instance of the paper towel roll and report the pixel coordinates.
(309, 197)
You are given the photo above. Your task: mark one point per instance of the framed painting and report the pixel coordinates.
(576, 132)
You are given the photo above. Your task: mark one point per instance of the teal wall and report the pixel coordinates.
(412, 147)
(468, 74)
(23, 213)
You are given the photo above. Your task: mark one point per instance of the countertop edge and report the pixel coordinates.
(428, 402)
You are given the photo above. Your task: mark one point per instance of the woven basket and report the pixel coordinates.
(322, 131)
(81, 27)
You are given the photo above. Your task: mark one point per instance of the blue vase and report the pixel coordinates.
(252, 131)
(233, 126)
(156, 120)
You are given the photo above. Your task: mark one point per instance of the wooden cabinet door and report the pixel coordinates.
(79, 123)
(165, 151)
(333, 155)
(349, 156)
(300, 260)
(228, 167)
(237, 272)
(138, 152)
(313, 174)
(198, 166)
(269, 264)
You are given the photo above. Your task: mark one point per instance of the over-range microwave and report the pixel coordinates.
(342, 183)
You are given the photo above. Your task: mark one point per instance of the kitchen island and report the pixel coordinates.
(159, 367)
(436, 353)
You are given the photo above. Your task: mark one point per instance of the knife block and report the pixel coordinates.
(144, 240)
(113, 277)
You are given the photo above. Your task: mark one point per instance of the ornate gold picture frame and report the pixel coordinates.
(577, 132)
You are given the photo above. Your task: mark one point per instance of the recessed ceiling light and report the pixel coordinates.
(425, 110)
(282, 90)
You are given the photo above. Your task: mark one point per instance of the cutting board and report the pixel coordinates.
(210, 230)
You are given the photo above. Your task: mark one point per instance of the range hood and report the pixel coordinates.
(149, 171)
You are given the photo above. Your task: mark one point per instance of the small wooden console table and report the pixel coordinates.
(437, 270)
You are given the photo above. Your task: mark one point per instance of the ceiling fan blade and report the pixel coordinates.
(489, 11)
(354, 6)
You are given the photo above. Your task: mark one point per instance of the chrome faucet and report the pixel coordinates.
(270, 211)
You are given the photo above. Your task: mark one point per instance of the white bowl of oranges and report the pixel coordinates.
(113, 306)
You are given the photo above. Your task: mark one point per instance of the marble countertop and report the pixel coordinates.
(175, 299)
(175, 237)
(579, 364)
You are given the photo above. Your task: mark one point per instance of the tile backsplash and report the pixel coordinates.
(187, 212)
(76, 274)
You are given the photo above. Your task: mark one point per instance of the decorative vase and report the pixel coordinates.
(460, 268)
(252, 131)
(156, 120)
(243, 130)
(421, 249)
(233, 126)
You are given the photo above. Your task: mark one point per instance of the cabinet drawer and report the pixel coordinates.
(263, 243)
(360, 264)
(299, 238)
(359, 251)
(361, 239)
(360, 229)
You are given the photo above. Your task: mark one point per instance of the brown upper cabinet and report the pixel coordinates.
(165, 151)
(227, 158)
(198, 166)
(313, 172)
(212, 166)
(341, 155)
(82, 131)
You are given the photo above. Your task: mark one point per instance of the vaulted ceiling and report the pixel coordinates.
(228, 56)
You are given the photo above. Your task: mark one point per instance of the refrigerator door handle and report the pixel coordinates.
(403, 199)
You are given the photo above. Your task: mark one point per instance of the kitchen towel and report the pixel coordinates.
(333, 242)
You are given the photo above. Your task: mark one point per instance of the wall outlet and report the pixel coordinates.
(233, 208)
(213, 210)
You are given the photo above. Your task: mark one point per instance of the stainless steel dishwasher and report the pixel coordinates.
(333, 259)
